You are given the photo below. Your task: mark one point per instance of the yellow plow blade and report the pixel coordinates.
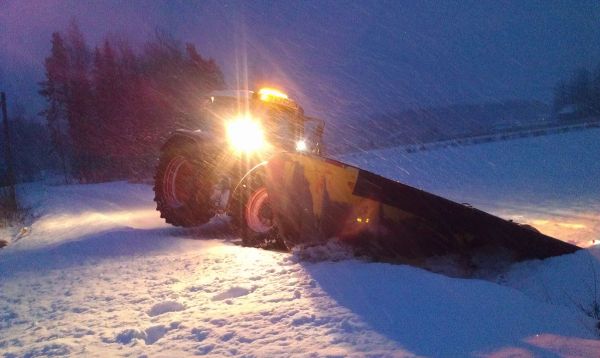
(315, 198)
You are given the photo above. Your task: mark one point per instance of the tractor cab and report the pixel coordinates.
(266, 121)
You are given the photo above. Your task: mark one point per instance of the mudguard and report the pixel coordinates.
(316, 198)
(197, 137)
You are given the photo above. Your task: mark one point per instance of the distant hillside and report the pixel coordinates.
(437, 123)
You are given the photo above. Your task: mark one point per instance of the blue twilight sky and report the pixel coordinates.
(338, 57)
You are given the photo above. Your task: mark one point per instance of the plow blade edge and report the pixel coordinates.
(315, 198)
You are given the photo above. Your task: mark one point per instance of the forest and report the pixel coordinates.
(109, 108)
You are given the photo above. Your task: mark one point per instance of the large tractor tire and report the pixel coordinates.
(252, 217)
(182, 185)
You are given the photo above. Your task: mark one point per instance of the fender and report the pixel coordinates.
(258, 169)
(197, 137)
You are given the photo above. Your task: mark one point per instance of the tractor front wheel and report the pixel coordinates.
(252, 215)
(182, 186)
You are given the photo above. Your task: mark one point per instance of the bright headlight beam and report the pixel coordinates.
(301, 145)
(245, 134)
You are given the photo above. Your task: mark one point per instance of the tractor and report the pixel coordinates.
(216, 168)
(258, 159)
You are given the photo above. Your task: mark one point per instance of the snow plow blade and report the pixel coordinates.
(315, 198)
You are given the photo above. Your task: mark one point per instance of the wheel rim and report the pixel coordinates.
(177, 183)
(259, 216)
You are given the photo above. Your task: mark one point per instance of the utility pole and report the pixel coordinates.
(12, 198)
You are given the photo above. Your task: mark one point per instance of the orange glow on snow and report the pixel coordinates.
(581, 231)
(141, 218)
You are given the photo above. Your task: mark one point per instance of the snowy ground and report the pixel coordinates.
(98, 274)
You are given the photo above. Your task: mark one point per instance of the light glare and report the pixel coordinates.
(266, 93)
(301, 145)
(245, 134)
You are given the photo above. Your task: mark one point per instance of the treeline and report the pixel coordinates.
(579, 96)
(437, 123)
(30, 143)
(109, 108)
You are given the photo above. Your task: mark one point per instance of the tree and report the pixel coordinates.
(31, 140)
(55, 89)
(172, 81)
(117, 106)
(207, 72)
(107, 106)
(81, 122)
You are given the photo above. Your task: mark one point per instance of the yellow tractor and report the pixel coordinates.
(259, 159)
(199, 170)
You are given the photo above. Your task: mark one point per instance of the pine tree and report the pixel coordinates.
(107, 105)
(32, 139)
(209, 76)
(81, 121)
(117, 106)
(55, 90)
(133, 108)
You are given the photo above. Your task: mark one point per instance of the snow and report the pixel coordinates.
(98, 273)
(165, 307)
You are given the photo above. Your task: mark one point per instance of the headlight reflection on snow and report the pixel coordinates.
(140, 218)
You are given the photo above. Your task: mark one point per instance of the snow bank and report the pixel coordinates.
(572, 281)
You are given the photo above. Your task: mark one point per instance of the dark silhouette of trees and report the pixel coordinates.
(31, 142)
(579, 97)
(55, 90)
(108, 104)
(80, 117)
(109, 109)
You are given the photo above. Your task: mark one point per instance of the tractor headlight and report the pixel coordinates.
(245, 134)
(301, 145)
